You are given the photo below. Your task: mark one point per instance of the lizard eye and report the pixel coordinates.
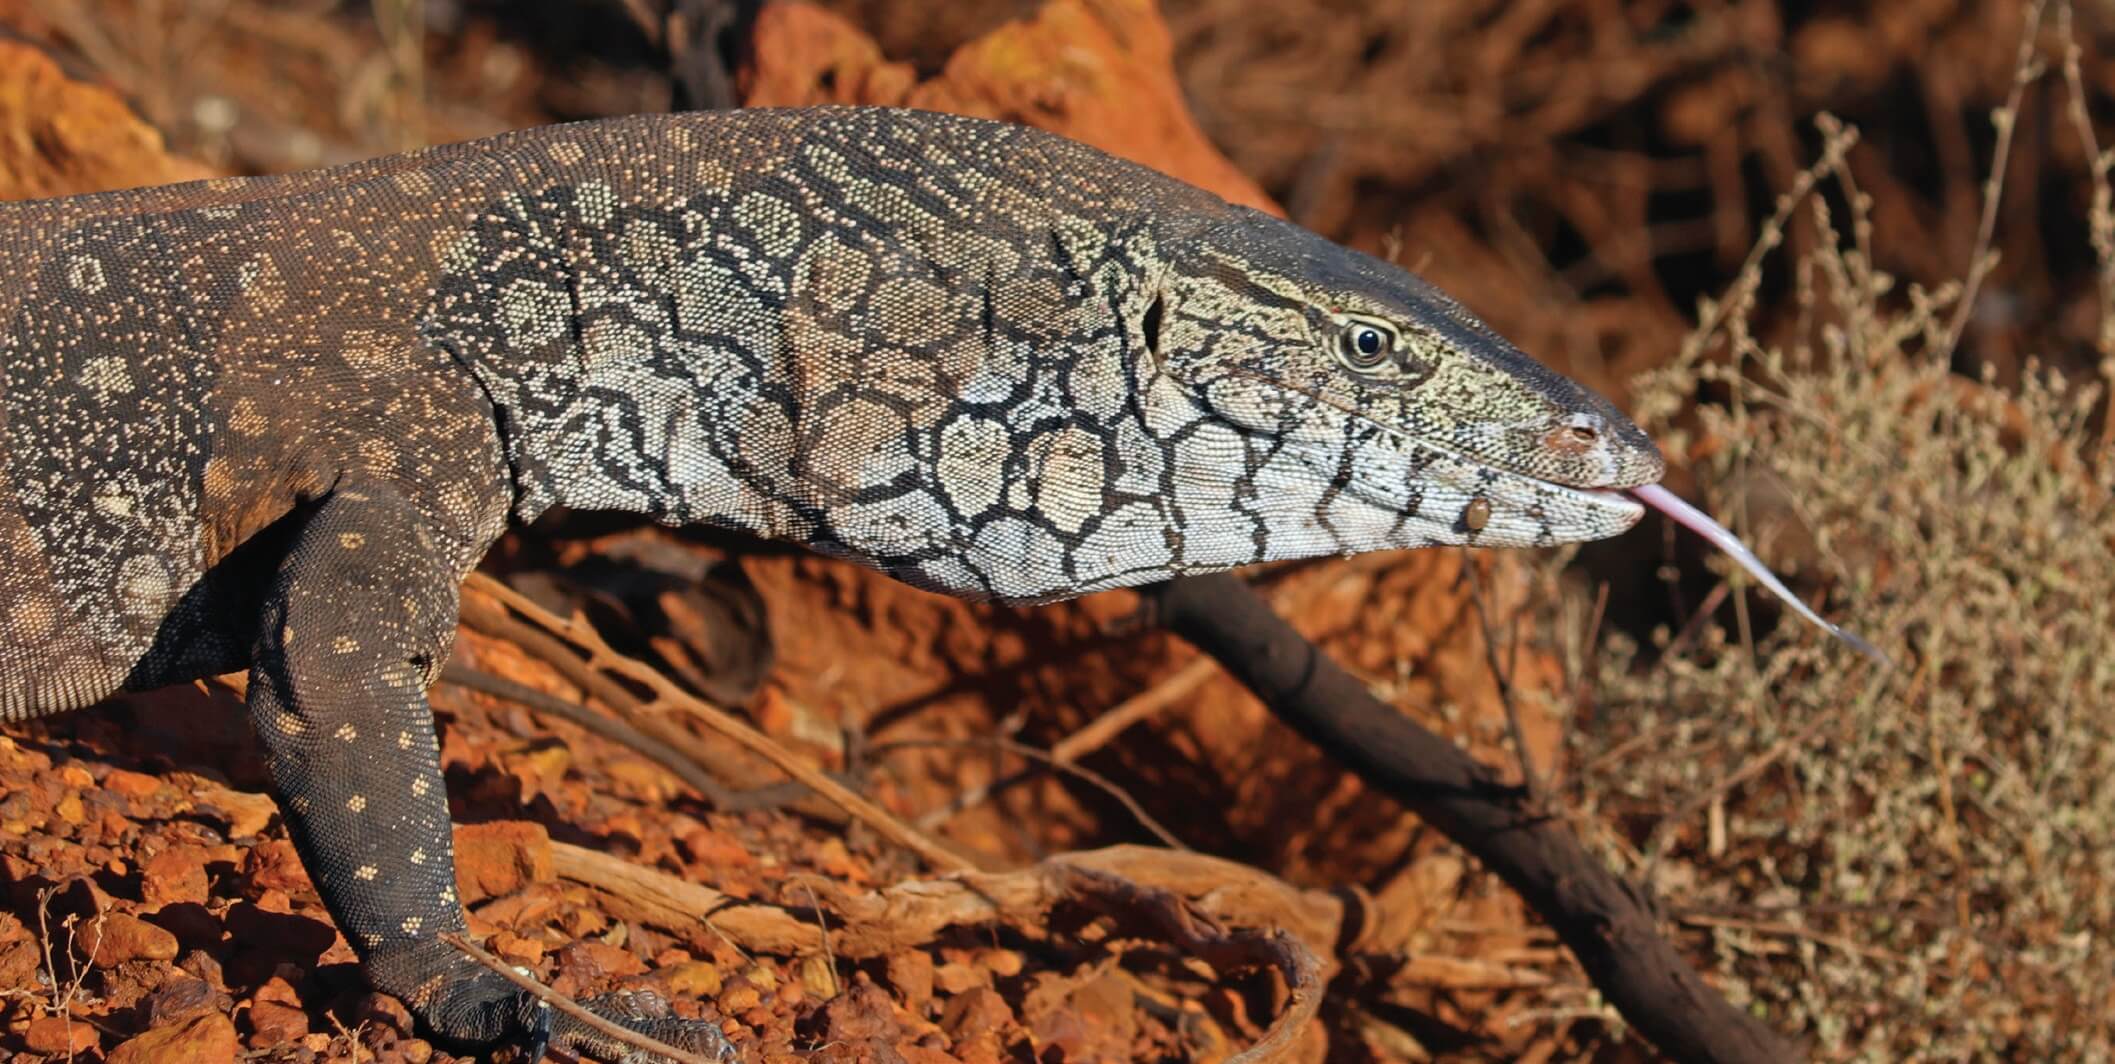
(1365, 345)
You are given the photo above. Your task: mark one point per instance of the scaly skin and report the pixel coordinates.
(272, 423)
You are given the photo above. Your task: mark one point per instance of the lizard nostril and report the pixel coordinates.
(1577, 435)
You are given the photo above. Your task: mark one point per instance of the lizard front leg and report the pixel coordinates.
(358, 620)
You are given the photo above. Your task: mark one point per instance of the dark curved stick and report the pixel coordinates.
(1607, 922)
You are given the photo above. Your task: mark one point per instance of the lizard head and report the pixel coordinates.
(1424, 425)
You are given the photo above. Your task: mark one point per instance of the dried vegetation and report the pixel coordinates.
(1906, 863)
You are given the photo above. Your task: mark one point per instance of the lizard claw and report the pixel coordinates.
(536, 1039)
(643, 1011)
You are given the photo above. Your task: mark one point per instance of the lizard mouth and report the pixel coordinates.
(1441, 492)
(1563, 511)
(1457, 498)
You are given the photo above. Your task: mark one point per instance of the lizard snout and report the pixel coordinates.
(1574, 435)
(1600, 449)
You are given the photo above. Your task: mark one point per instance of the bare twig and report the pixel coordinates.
(1834, 148)
(494, 620)
(1295, 593)
(1091, 777)
(1530, 780)
(1581, 672)
(822, 924)
(2026, 68)
(670, 749)
(2101, 223)
(600, 660)
(1789, 930)
(1712, 601)
(616, 731)
(1096, 734)
(568, 1006)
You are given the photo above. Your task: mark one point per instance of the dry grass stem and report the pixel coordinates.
(597, 657)
(2026, 69)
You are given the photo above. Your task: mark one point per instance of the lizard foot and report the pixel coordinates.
(467, 1006)
(643, 1011)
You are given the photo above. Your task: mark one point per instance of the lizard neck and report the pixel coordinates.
(897, 395)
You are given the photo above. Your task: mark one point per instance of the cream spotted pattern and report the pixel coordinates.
(272, 423)
(1029, 374)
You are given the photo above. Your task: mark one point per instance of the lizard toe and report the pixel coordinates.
(647, 1013)
(536, 1039)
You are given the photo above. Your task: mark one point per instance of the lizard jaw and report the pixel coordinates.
(1439, 497)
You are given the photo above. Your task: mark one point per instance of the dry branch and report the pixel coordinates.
(1608, 923)
(1228, 915)
(682, 765)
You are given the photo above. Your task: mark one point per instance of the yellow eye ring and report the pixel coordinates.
(1364, 345)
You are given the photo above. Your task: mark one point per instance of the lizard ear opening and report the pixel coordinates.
(1151, 325)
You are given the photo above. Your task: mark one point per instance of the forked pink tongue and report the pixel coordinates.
(1669, 503)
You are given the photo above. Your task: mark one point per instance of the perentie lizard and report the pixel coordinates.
(271, 423)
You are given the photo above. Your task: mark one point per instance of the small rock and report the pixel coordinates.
(278, 990)
(173, 876)
(517, 949)
(579, 921)
(19, 962)
(273, 864)
(911, 973)
(182, 999)
(208, 1039)
(979, 1012)
(690, 979)
(273, 1024)
(764, 976)
(592, 963)
(863, 1013)
(381, 1010)
(244, 812)
(833, 860)
(1004, 963)
(739, 997)
(706, 846)
(957, 977)
(639, 780)
(913, 1053)
(501, 858)
(205, 967)
(114, 938)
(59, 1036)
(130, 784)
(818, 977)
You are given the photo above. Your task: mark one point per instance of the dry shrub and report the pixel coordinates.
(1905, 863)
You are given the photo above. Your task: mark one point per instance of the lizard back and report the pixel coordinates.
(730, 318)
